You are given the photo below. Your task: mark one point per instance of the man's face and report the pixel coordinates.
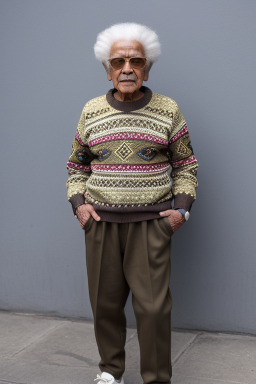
(127, 80)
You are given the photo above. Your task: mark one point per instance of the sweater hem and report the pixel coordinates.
(131, 214)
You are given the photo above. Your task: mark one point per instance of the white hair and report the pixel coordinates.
(127, 31)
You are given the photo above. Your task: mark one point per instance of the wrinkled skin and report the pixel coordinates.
(83, 213)
(175, 218)
(128, 82)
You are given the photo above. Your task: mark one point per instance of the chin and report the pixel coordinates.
(128, 89)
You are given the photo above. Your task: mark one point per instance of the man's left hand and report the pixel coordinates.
(175, 218)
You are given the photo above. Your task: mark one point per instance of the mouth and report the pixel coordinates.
(127, 81)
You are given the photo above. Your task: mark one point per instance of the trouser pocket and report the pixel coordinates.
(88, 224)
(167, 225)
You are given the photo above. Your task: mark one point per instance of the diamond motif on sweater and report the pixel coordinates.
(124, 151)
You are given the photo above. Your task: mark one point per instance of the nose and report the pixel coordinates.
(127, 68)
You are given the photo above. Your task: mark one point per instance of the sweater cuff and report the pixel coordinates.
(184, 201)
(76, 201)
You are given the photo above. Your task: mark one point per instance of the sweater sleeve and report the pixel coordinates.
(78, 166)
(183, 162)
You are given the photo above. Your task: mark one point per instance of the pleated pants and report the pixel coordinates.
(131, 256)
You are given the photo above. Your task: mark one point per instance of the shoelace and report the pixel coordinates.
(102, 379)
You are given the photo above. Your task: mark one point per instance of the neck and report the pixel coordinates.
(128, 96)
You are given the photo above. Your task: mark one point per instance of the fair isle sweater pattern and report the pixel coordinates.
(121, 155)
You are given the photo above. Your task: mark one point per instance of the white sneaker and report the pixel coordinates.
(106, 378)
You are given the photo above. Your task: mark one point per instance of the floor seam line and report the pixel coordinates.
(37, 340)
(11, 382)
(187, 346)
(217, 380)
(131, 337)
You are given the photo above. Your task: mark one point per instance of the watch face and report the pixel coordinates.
(187, 214)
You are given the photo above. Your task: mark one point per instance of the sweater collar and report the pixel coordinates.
(128, 106)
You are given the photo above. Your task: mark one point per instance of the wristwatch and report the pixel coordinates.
(184, 213)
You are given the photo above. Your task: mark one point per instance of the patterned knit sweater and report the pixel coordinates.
(121, 155)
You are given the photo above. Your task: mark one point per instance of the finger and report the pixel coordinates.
(165, 213)
(93, 213)
(83, 221)
(83, 217)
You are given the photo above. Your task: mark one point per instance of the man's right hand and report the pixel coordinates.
(83, 213)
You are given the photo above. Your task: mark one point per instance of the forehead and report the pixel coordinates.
(127, 48)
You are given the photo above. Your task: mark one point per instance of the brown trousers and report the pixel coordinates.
(134, 256)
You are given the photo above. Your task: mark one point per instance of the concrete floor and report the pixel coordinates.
(36, 349)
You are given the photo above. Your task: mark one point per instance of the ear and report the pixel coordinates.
(146, 73)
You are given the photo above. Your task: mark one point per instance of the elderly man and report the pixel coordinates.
(127, 204)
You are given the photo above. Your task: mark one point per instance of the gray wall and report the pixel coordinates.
(48, 72)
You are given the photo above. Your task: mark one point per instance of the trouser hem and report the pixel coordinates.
(113, 374)
(160, 382)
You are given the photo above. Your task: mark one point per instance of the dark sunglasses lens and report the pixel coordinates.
(117, 63)
(137, 62)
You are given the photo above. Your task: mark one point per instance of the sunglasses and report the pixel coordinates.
(135, 62)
